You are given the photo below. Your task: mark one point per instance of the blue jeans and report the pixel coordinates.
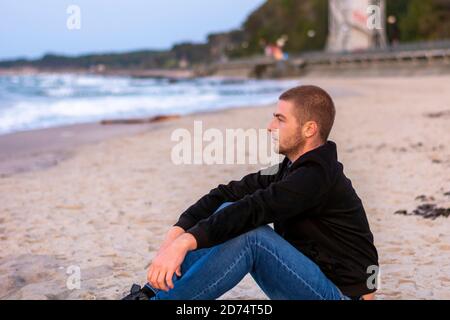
(279, 269)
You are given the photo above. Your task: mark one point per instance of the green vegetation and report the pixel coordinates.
(419, 20)
(291, 18)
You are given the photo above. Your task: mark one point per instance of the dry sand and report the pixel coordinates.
(106, 205)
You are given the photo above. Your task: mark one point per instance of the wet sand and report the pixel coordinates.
(101, 198)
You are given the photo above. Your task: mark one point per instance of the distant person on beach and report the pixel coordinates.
(320, 246)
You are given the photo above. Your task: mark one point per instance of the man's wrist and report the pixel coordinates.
(187, 241)
(175, 232)
(177, 229)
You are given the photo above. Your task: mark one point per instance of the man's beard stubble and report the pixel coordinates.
(291, 146)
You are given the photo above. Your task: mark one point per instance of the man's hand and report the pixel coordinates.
(171, 235)
(169, 260)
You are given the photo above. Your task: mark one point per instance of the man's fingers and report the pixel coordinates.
(154, 279)
(169, 281)
(178, 272)
(162, 281)
(149, 274)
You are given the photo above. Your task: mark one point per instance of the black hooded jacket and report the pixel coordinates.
(311, 204)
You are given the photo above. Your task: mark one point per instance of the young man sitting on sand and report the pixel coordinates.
(321, 246)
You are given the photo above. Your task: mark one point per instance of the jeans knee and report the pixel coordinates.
(260, 233)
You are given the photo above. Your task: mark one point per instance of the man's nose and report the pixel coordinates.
(270, 126)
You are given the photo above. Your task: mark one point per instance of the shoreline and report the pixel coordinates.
(38, 149)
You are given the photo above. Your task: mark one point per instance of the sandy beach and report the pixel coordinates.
(101, 198)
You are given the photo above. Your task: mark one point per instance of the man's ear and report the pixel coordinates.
(310, 129)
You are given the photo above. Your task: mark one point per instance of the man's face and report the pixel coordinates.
(285, 129)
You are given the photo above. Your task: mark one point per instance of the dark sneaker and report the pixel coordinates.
(138, 293)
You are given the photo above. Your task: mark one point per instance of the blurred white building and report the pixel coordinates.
(356, 25)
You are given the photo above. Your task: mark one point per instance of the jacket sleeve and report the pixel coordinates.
(233, 191)
(297, 194)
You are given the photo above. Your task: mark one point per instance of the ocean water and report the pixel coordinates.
(48, 100)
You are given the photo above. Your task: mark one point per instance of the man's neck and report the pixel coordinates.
(302, 150)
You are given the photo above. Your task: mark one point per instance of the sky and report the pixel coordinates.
(29, 29)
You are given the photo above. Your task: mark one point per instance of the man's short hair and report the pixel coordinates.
(312, 104)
